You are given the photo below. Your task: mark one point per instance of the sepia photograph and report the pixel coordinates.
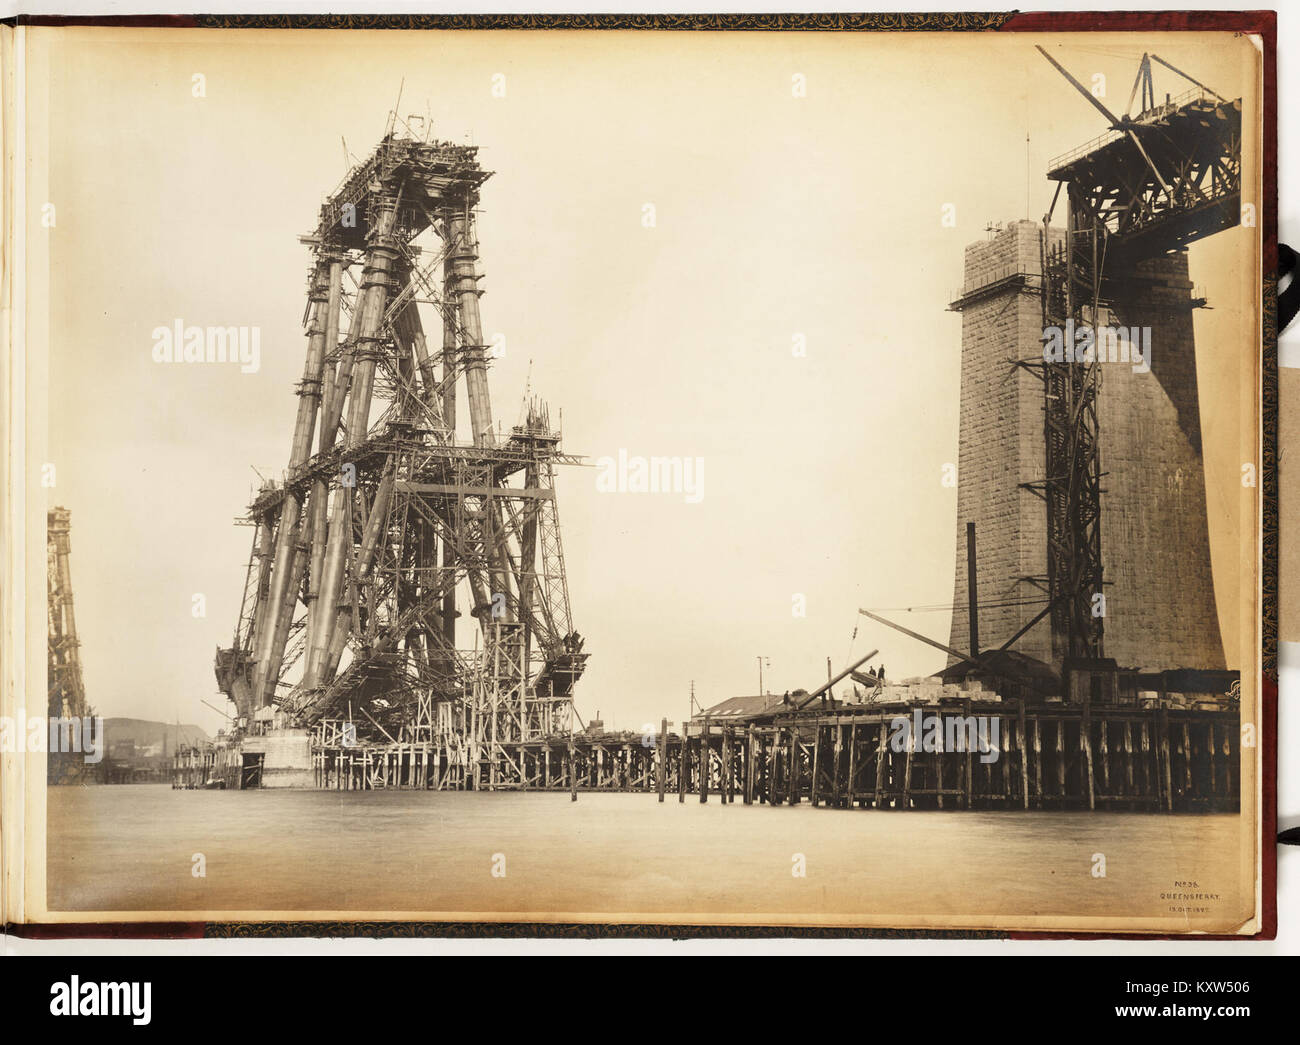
(637, 477)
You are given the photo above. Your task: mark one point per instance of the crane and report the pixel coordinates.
(1159, 180)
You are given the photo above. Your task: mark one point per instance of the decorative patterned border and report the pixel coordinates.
(1268, 479)
(581, 930)
(910, 21)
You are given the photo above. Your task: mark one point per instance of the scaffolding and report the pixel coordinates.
(1154, 183)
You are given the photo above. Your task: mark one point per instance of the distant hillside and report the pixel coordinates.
(146, 734)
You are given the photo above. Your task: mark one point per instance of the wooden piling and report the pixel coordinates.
(1128, 758)
(1004, 762)
(661, 765)
(1166, 775)
(837, 784)
(968, 784)
(1144, 751)
(1105, 758)
(938, 765)
(1232, 769)
(750, 762)
(683, 766)
(1214, 754)
(573, 771)
(773, 749)
(792, 777)
(704, 763)
(907, 773)
(851, 781)
(1060, 759)
(1038, 760)
(816, 767)
(1085, 741)
(727, 765)
(881, 755)
(1022, 742)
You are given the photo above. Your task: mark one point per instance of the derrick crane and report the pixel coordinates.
(1154, 183)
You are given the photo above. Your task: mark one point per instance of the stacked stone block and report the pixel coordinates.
(1160, 605)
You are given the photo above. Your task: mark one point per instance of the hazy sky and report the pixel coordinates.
(776, 216)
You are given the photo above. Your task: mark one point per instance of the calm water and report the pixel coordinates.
(130, 848)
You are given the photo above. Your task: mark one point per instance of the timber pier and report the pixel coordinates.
(966, 754)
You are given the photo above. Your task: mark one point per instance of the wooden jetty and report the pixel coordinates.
(954, 754)
(971, 755)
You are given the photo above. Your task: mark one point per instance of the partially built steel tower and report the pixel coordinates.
(388, 519)
(1115, 506)
(66, 691)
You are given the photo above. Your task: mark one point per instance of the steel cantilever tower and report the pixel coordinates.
(66, 689)
(387, 520)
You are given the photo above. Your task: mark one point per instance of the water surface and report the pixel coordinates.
(131, 848)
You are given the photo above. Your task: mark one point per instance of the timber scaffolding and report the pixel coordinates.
(969, 753)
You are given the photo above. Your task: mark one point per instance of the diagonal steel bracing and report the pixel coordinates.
(389, 522)
(1156, 182)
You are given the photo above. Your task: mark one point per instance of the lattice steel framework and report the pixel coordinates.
(1072, 487)
(1153, 184)
(66, 690)
(387, 520)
